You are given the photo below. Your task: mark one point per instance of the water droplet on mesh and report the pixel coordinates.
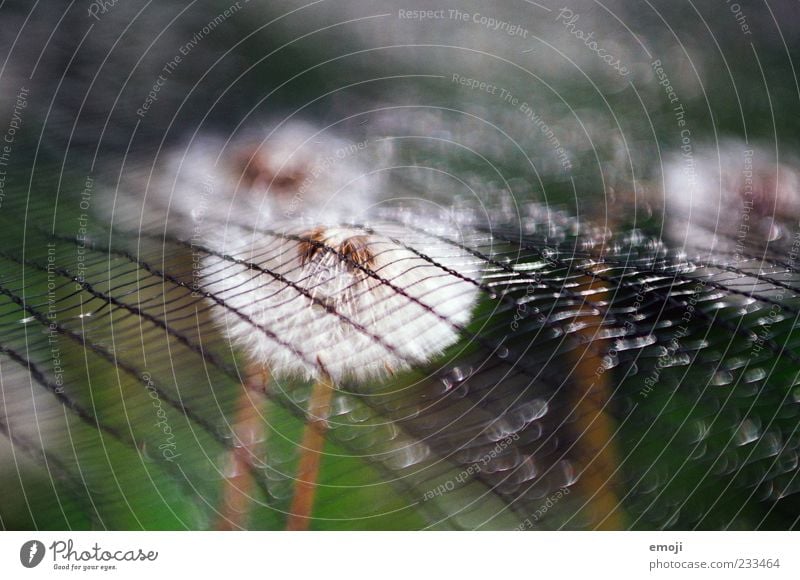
(502, 352)
(526, 470)
(753, 375)
(788, 488)
(300, 395)
(635, 342)
(231, 467)
(566, 474)
(702, 429)
(447, 383)
(282, 489)
(279, 451)
(788, 462)
(532, 410)
(698, 451)
(342, 404)
(224, 431)
(499, 429)
(390, 432)
(769, 445)
(407, 455)
(649, 484)
(505, 461)
(633, 370)
(747, 432)
(765, 491)
(659, 352)
(721, 378)
(359, 414)
(459, 375)
(610, 361)
(673, 519)
(695, 344)
(245, 435)
(681, 359)
(273, 474)
(774, 233)
(27, 320)
(736, 362)
(147, 455)
(198, 519)
(346, 433)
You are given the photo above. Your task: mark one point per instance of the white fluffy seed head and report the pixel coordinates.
(302, 293)
(295, 172)
(342, 300)
(730, 198)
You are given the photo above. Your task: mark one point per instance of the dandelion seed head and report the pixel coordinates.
(357, 301)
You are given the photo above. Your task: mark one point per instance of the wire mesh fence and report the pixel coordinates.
(476, 377)
(343, 266)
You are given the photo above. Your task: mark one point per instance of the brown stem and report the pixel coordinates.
(248, 429)
(311, 454)
(594, 428)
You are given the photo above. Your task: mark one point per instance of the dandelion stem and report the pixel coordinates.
(311, 454)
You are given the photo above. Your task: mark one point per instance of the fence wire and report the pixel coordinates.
(516, 375)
